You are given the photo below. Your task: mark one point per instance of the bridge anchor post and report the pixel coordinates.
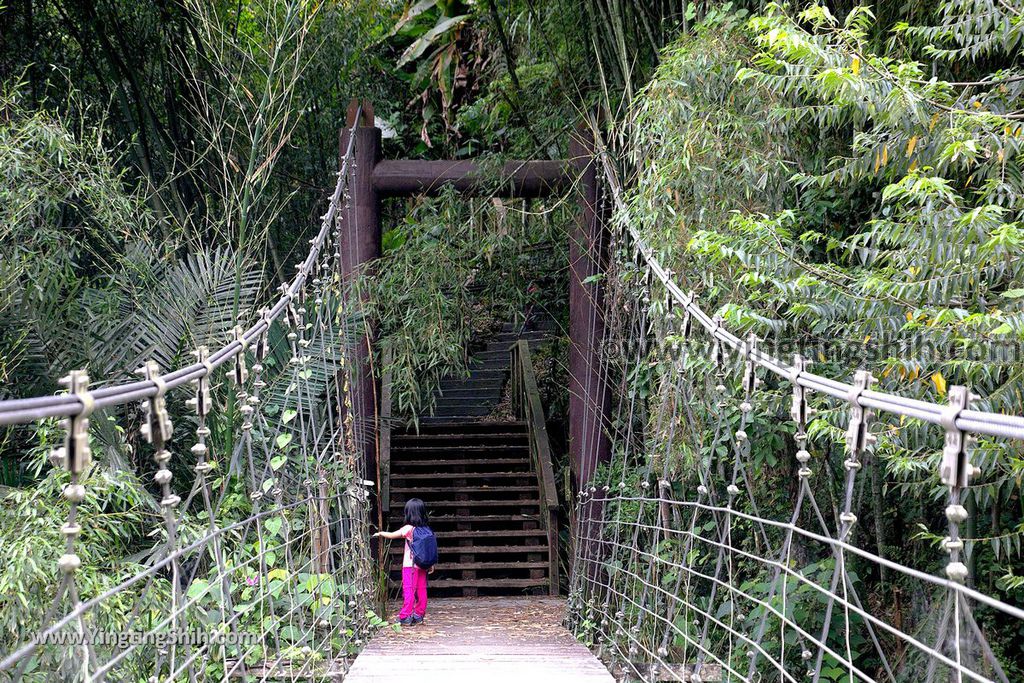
(589, 399)
(359, 245)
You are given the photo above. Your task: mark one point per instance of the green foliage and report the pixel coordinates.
(447, 56)
(118, 513)
(177, 304)
(496, 117)
(905, 227)
(68, 223)
(455, 267)
(852, 190)
(699, 143)
(111, 266)
(161, 164)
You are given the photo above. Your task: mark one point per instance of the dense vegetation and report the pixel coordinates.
(839, 178)
(838, 201)
(846, 184)
(164, 164)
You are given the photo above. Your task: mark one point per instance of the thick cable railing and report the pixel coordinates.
(699, 557)
(258, 566)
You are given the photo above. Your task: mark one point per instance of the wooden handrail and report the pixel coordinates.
(384, 434)
(527, 404)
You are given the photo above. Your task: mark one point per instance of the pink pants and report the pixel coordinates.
(414, 592)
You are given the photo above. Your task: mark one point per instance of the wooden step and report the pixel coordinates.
(485, 515)
(493, 364)
(492, 391)
(443, 409)
(488, 354)
(487, 583)
(452, 519)
(478, 365)
(462, 489)
(406, 440)
(459, 566)
(473, 398)
(472, 374)
(516, 333)
(446, 476)
(477, 399)
(511, 533)
(505, 347)
(484, 549)
(492, 381)
(466, 402)
(466, 497)
(462, 396)
(511, 502)
(445, 464)
(447, 423)
(448, 449)
(470, 426)
(455, 566)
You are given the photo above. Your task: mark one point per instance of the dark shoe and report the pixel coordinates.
(417, 620)
(407, 621)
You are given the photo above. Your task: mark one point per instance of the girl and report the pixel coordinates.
(414, 578)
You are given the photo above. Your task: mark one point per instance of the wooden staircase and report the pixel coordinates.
(476, 395)
(488, 485)
(484, 502)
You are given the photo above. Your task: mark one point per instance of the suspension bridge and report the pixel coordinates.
(665, 559)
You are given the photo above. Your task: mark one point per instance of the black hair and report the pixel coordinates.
(415, 512)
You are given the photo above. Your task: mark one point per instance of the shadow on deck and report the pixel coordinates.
(481, 639)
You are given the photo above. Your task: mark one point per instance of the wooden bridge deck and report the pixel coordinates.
(481, 639)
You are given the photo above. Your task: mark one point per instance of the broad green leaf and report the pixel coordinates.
(421, 44)
(273, 525)
(198, 588)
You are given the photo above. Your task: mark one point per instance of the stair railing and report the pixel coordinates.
(384, 438)
(527, 406)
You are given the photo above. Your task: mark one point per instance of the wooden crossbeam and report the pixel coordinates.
(524, 179)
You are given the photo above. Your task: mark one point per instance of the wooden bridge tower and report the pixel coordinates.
(374, 179)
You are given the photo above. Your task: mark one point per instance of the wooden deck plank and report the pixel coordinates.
(481, 639)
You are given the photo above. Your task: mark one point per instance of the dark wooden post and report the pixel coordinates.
(589, 399)
(360, 232)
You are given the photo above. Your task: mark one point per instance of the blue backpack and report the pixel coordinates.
(424, 547)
